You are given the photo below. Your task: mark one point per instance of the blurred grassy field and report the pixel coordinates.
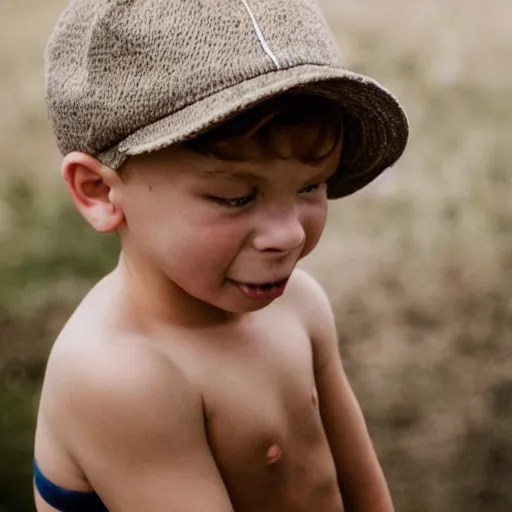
(418, 265)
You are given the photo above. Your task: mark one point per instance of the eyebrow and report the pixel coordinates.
(212, 174)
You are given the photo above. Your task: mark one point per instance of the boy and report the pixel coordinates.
(203, 373)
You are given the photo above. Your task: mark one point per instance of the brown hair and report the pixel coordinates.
(287, 112)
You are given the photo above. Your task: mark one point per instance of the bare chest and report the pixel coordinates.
(263, 423)
(260, 410)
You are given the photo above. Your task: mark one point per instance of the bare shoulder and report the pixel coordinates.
(98, 362)
(308, 297)
(132, 422)
(361, 480)
(102, 387)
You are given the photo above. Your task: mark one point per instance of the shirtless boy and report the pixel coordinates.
(202, 373)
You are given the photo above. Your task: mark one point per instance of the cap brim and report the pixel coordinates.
(382, 124)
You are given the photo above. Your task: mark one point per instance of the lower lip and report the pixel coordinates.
(254, 292)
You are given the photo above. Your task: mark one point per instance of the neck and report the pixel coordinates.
(149, 297)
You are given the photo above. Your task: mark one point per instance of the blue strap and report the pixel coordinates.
(64, 500)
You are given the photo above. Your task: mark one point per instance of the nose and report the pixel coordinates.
(280, 231)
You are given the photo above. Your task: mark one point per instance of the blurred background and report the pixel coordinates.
(418, 265)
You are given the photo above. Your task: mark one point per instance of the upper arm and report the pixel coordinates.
(359, 474)
(138, 435)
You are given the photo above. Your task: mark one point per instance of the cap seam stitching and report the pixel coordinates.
(261, 37)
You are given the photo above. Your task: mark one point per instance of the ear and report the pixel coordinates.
(92, 187)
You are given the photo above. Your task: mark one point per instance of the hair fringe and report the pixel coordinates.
(264, 121)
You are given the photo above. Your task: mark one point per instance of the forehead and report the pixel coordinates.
(260, 167)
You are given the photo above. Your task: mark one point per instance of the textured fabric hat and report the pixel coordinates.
(125, 77)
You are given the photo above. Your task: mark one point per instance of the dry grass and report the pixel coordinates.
(417, 265)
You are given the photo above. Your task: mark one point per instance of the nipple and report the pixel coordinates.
(274, 453)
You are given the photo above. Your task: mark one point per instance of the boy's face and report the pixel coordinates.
(214, 228)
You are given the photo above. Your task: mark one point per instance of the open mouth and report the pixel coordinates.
(264, 290)
(268, 286)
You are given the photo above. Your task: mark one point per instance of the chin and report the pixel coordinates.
(241, 307)
(251, 308)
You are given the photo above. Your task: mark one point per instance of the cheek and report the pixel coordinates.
(207, 244)
(180, 235)
(314, 223)
(196, 242)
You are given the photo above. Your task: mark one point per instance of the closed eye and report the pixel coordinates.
(241, 201)
(233, 202)
(311, 188)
